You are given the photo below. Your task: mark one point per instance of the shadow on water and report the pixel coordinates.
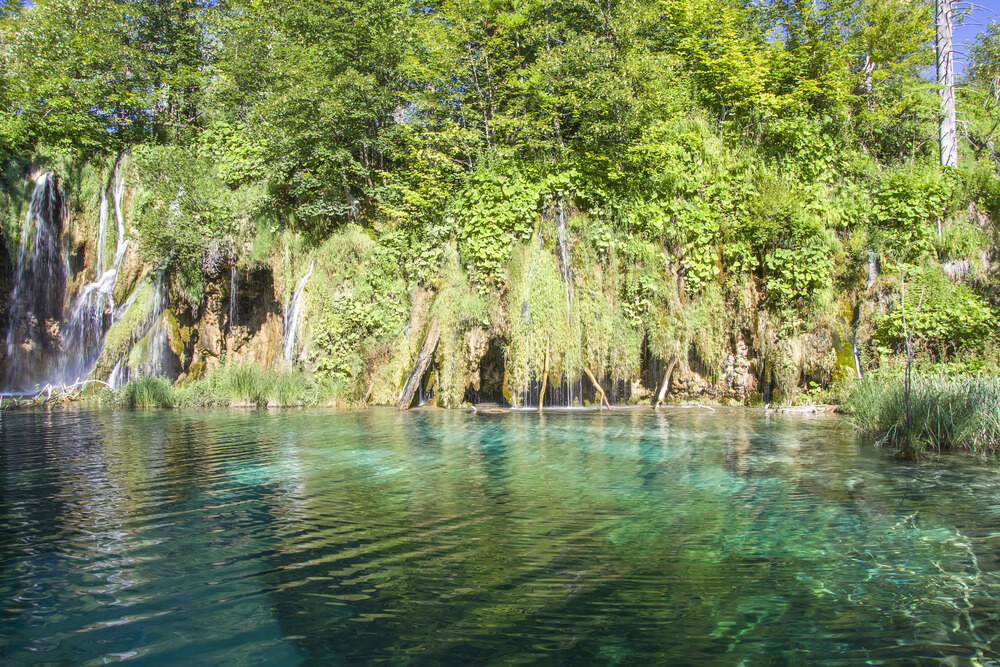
(435, 536)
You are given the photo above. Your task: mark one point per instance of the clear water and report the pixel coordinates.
(444, 537)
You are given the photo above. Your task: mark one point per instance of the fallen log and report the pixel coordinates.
(421, 365)
(371, 388)
(600, 391)
(819, 408)
(662, 396)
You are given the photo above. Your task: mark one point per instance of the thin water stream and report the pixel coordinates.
(292, 317)
(203, 537)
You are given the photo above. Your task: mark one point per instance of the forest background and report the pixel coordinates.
(563, 188)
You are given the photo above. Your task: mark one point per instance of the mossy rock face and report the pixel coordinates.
(195, 372)
(126, 331)
(845, 362)
(178, 336)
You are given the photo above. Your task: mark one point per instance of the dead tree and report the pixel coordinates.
(948, 128)
(421, 365)
(662, 396)
(600, 390)
(545, 378)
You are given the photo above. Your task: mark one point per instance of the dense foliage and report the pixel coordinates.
(616, 179)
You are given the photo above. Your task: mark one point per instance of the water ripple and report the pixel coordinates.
(429, 537)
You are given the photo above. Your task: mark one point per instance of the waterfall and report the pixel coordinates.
(117, 373)
(39, 287)
(147, 354)
(93, 310)
(102, 233)
(118, 193)
(231, 322)
(292, 316)
(46, 345)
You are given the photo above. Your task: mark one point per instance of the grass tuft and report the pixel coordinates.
(248, 384)
(145, 392)
(948, 413)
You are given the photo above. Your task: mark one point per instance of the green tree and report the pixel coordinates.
(97, 77)
(321, 86)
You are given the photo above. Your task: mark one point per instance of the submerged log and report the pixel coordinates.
(421, 365)
(819, 408)
(600, 390)
(662, 396)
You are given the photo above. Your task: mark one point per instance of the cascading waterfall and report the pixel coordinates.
(39, 288)
(292, 316)
(118, 195)
(231, 322)
(147, 355)
(102, 231)
(93, 310)
(568, 391)
(46, 345)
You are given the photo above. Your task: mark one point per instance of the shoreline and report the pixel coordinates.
(11, 401)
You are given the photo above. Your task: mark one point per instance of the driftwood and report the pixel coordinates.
(819, 408)
(600, 390)
(662, 396)
(371, 388)
(421, 365)
(49, 394)
(545, 378)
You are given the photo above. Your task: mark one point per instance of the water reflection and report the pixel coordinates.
(441, 536)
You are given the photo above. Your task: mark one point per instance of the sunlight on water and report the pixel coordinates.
(287, 537)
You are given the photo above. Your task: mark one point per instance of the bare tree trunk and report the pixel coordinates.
(946, 80)
(420, 365)
(662, 396)
(600, 390)
(545, 379)
(868, 70)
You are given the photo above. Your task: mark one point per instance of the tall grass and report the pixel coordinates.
(145, 392)
(947, 413)
(247, 384)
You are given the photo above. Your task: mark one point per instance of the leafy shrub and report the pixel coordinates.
(494, 209)
(363, 307)
(952, 318)
(185, 212)
(793, 276)
(905, 208)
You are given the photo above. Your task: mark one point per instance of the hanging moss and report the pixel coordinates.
(461, 311)
(128, 329)
(611, 342)
(540, 322)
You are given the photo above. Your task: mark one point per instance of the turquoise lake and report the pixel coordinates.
(431, 537)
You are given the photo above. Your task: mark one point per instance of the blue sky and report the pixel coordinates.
(983, 13)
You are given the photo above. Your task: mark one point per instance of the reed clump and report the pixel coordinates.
(247, 384)
(145, 392)
(946, 413)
